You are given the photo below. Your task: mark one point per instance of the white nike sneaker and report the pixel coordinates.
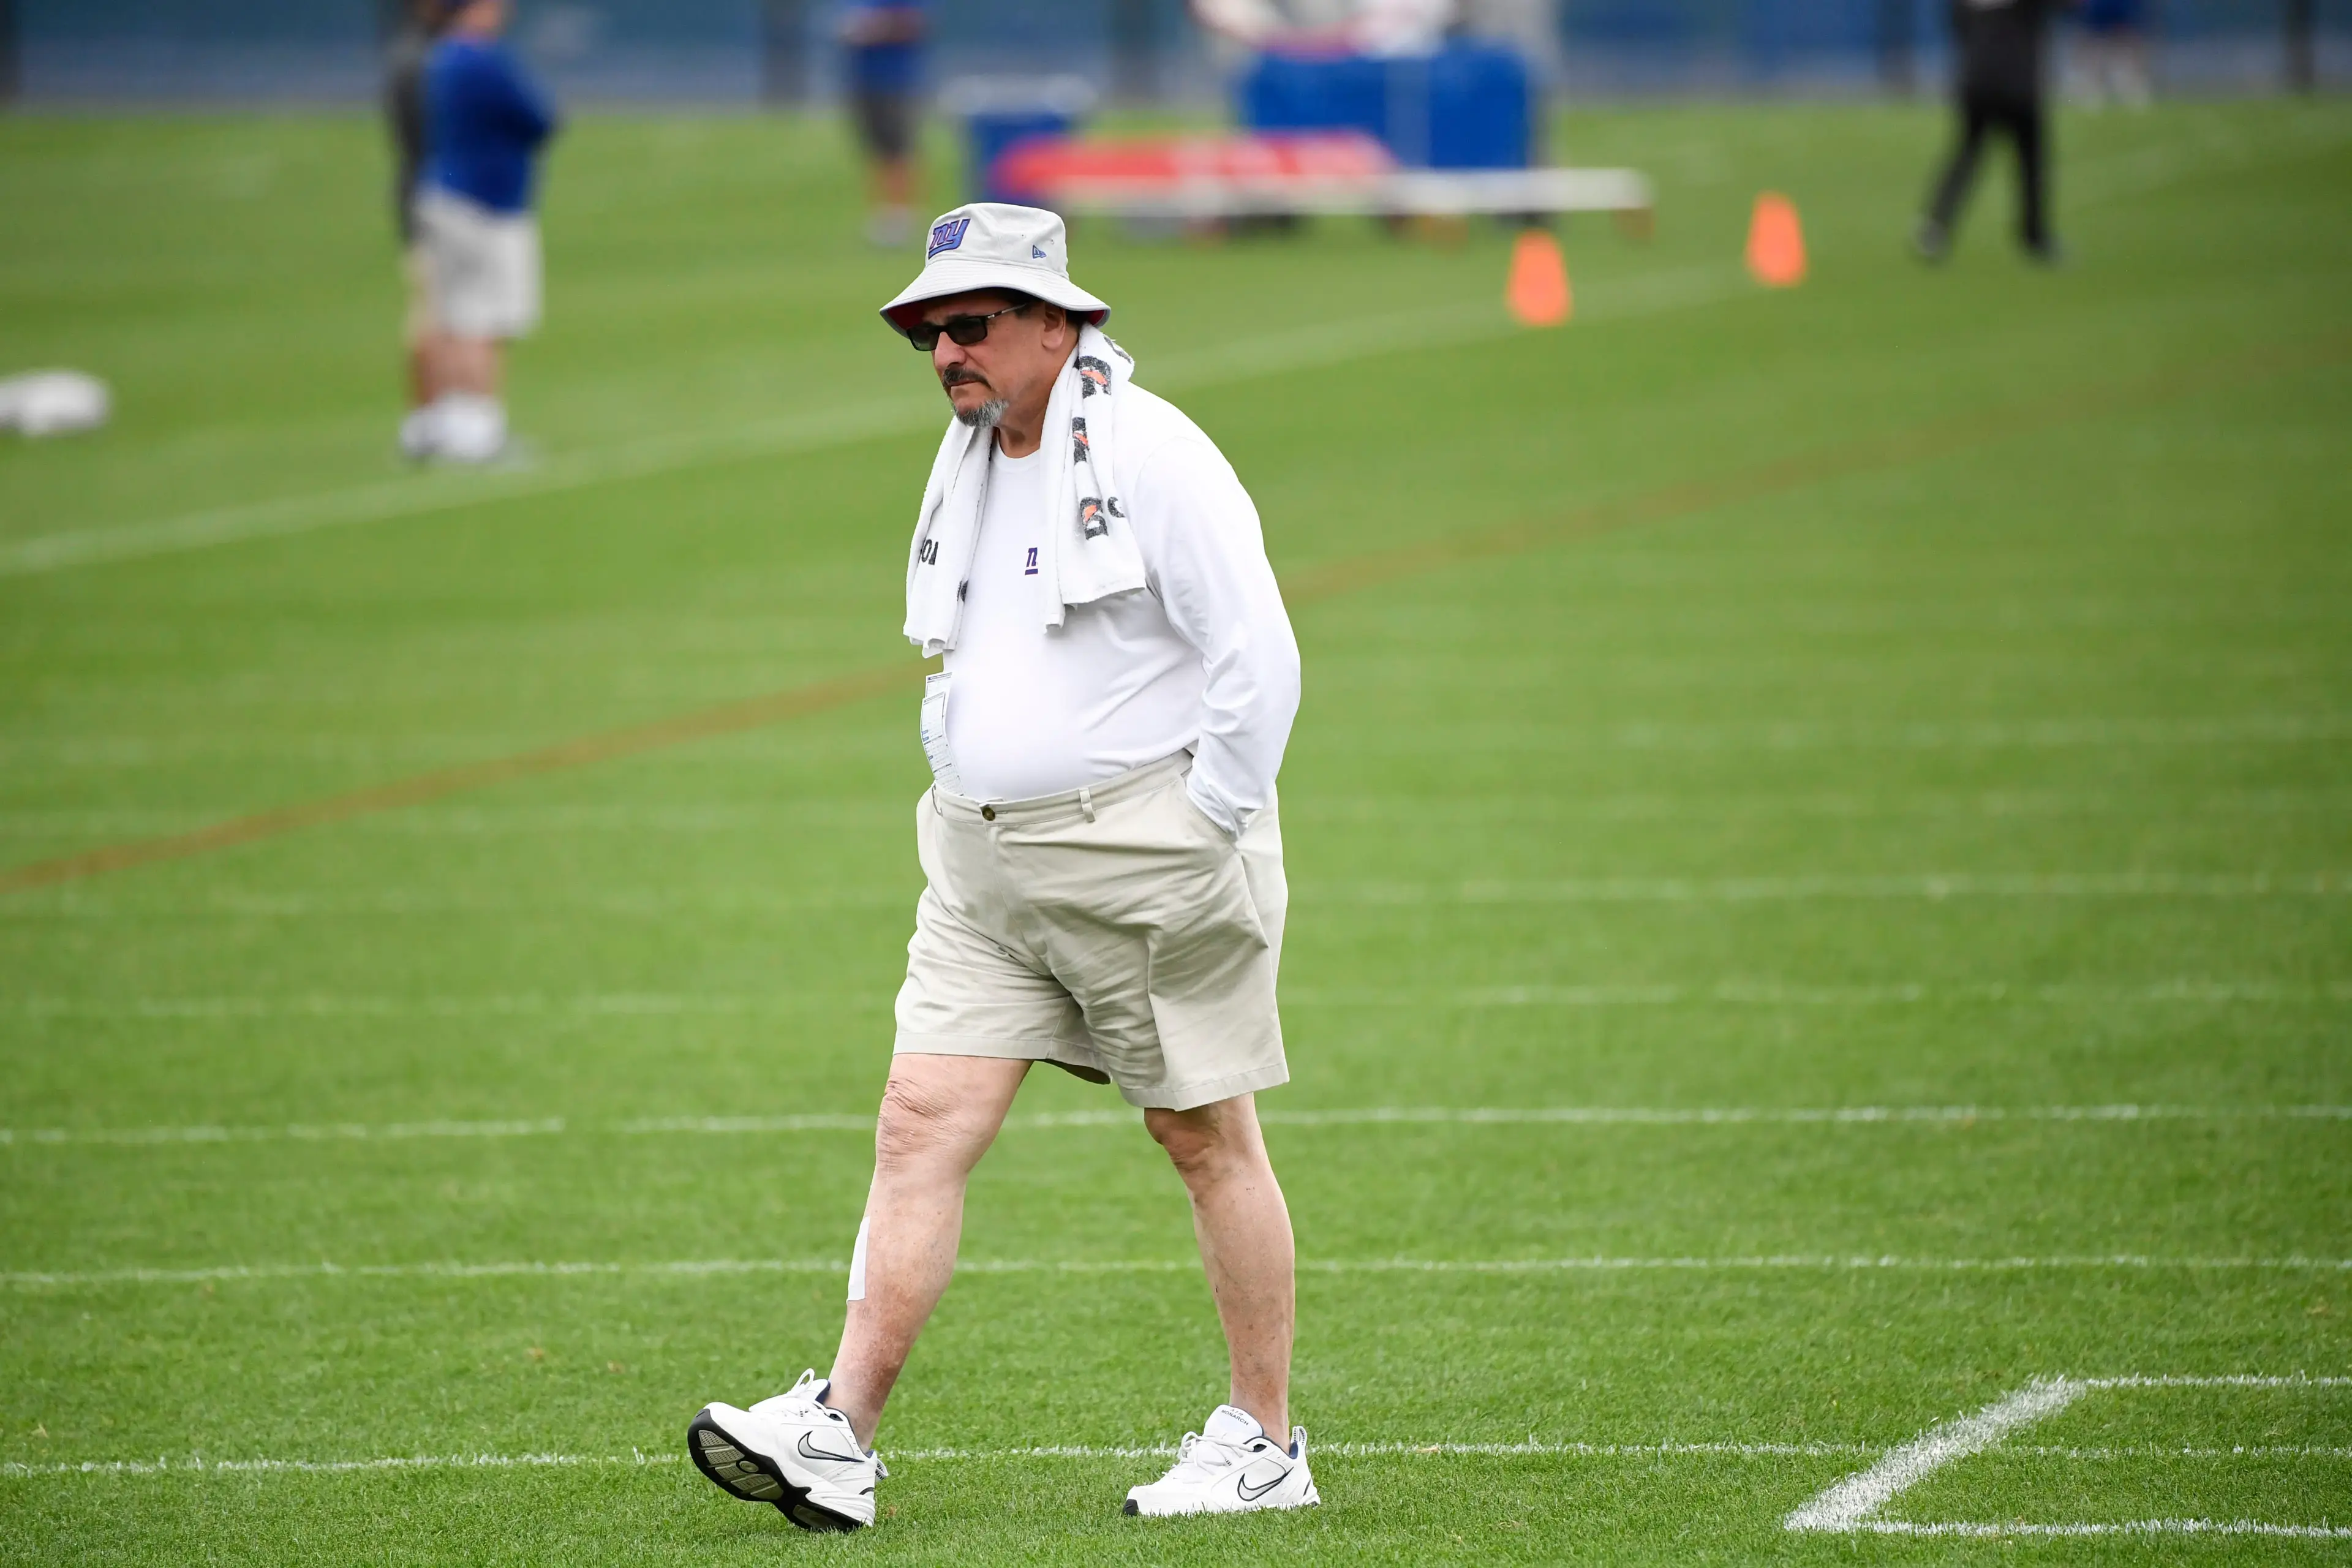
(1232, 1466)
(793, 1450)
(420, 433)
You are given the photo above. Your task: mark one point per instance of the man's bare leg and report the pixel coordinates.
(466, 364)
(1244, 1228)
(939, 1116)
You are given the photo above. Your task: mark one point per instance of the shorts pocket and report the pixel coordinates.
(1202, 822)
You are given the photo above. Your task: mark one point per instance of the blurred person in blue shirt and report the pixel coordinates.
(485, 126)
(2114, 54)
(882, 43)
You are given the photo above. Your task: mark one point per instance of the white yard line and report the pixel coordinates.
(126, 752)
(1273, 1116)
(2189, 990)
(1272, 352)
(1432, 1115)
(1792, 735)
(2218, 1380)
(1824, 1262)
(444, 820)
(131, 751)
(1931, 887)
(2153, 1451)
(1741, 993)
(298, 1132)
(1848, 1506)
(1851, 1505)
(1833, 1263)
(1844, 1506)
(2126, 1527)
(195, 1464)
(1709, 1116)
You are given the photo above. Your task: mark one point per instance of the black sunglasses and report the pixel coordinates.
(961, 330)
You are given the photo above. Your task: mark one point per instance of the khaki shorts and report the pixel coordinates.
(1114, 931)
(483, 266)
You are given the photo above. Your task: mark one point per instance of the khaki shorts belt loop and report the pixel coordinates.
(1076, 803)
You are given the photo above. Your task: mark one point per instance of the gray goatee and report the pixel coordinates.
(986, 416)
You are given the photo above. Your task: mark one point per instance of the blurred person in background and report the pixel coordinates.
(883, 43)
(485, 125)
(1383, 28)
(2001, 48)
(2114, 54)
(405, 113)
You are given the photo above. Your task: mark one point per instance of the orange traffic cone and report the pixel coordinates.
(1776, 242)
(1538, 291)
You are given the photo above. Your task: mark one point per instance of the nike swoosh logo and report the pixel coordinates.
(809, 1453)
(1251, 1494)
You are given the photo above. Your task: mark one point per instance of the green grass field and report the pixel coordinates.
(1922, 691)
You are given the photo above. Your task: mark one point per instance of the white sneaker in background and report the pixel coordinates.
(794, 1451)
(419, 434)
(468, 428)
(1231, 1466)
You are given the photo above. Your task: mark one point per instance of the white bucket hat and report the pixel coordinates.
(992, 244)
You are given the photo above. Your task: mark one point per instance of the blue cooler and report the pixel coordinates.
(1468, 106)
(999, 112)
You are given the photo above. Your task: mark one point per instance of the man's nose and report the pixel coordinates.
(948, 353)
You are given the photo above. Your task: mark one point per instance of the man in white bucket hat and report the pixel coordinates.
(1104, 864)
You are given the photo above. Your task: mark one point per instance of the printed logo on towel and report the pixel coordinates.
(928, 552)
(1080, 448)
(1091, 519)
(947, 236)
(1093, 376)
(1030, 569)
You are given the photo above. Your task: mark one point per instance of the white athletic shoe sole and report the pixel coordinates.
(719, 1439)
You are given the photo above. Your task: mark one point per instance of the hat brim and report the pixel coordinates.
(967, 275)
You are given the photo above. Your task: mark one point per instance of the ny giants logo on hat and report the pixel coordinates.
(947, 236)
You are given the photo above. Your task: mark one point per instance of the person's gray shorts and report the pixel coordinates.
(1114, 931)
(885, 121)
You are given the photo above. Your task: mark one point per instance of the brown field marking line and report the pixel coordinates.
(1936, 438)
(725, 719)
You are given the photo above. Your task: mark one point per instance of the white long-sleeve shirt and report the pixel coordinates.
(1202, 657)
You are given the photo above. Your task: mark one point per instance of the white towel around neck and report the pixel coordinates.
(1088, 550)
